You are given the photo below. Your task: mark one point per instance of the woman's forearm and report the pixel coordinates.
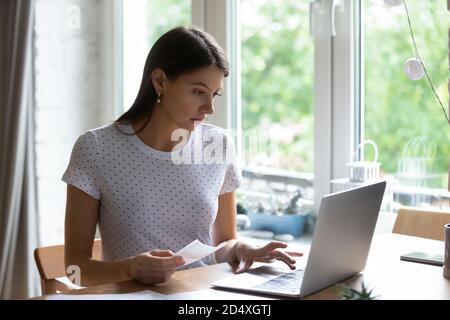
(95, 272)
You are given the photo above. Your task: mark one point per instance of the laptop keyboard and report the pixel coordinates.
(288, 282)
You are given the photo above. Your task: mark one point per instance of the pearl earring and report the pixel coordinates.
(158, 100)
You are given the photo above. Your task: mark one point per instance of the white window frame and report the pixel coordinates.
(335, 133)
(113, 62)
(218, 17)
(323, 152)
(346, 136)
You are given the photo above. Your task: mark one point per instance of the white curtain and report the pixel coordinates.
(18, 213)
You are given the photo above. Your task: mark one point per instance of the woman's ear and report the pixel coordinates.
(158, 79)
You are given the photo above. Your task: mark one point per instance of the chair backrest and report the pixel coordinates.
(424, 223)
(50, 264)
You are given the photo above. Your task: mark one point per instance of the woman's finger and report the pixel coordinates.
(162, 262)
(283, 256)
(268, 259)
(244, 265)
(294, 253)
(265, 260)
(162, 253)
(261, 252)
(234, 265)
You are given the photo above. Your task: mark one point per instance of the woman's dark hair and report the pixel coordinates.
(178, 51)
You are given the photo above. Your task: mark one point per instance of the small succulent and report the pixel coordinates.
(347, 293)
(292, 207)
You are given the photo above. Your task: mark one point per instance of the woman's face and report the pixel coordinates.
(189, 99)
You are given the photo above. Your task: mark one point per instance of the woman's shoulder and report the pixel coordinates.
(102, 134)
(108, 128)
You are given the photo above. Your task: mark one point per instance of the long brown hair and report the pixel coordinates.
(180, 50)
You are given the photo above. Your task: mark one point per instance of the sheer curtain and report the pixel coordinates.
(18, 213)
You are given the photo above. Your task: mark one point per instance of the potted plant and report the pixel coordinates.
(290, 219)
(348, 293)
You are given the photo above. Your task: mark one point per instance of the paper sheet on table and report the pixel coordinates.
(141, 295)
(196, 251)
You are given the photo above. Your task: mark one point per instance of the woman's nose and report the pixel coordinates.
(208, 107)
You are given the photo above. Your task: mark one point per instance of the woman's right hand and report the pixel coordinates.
(154, 266)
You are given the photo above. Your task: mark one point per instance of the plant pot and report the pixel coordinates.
(293, 224)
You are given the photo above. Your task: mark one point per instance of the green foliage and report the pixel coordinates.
(398, 109)
(347, 293)
(277, 78)
(163, 15)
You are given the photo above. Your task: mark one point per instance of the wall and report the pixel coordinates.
(70, 95)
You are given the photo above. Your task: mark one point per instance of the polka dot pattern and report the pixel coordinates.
(147, 201)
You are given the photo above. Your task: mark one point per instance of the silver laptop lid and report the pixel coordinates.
(342, 236)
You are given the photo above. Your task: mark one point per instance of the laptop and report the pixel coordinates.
(339, 249)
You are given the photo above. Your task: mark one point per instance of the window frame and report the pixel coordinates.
(113, 42)
(213, 21)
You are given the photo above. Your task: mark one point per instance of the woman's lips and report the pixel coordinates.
(199, 119)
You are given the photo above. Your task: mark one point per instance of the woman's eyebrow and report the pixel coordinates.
(199, 83)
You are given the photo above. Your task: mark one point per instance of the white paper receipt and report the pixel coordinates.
(196, 251)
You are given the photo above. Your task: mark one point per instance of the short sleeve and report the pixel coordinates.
(233, 176)
(82, 169)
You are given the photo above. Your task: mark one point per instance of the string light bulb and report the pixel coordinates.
(414, 69)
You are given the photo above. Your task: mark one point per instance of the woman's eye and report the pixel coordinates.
(198, 92)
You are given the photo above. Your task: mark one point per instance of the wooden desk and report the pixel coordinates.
(390, 277)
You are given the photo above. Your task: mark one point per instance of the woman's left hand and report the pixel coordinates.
(247, 254)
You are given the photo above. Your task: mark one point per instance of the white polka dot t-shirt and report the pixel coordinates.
(150, 199)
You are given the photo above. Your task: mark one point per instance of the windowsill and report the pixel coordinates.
(303, 179)
(300, 243)
(384, 224)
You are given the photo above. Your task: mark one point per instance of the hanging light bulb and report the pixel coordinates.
(393, 3)
(414, 69)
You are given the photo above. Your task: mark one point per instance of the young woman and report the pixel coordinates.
(123, 175)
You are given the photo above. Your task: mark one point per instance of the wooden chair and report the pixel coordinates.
(424, 223)
(50, 264)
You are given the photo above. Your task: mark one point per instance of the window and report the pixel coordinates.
(144, 21)
(402, 116)
(277, 81)
(277, 113)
